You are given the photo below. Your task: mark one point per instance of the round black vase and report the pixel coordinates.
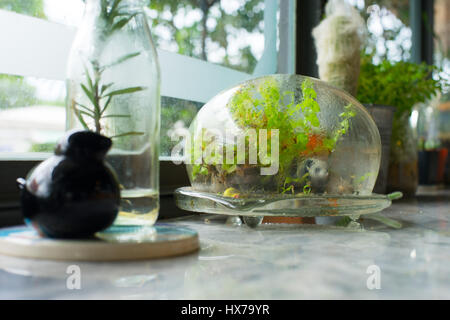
(74, 193)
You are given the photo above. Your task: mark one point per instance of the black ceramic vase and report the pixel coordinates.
(74, 193)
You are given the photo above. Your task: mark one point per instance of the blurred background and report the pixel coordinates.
(234, 34)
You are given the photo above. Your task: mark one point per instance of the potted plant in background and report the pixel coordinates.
(401, 85)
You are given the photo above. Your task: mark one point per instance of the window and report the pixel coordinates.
(204, 47)
(388, 26)
(228, 41)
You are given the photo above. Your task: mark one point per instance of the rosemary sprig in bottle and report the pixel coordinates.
(113, 18)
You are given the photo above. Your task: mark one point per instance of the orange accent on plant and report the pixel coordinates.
(314, 144)
(333, 202)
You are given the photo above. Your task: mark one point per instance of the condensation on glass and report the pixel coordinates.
(318, 138)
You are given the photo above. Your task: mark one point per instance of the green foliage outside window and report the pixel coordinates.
(14, 91)
(33, 8)
(192, 40)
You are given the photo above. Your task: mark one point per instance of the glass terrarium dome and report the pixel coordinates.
(283, 135)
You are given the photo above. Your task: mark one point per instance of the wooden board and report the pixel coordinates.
(115, 243)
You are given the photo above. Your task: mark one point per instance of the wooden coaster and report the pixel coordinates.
(115, 243)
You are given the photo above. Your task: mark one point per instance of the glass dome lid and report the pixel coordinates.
(283, 135)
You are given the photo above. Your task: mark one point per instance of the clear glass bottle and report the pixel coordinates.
(113, 88)
(403, 161)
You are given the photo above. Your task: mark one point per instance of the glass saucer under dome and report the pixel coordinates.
(282, 137)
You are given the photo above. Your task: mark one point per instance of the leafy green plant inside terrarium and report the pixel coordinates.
(300, 133)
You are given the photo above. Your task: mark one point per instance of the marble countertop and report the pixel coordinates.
(319, 261)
